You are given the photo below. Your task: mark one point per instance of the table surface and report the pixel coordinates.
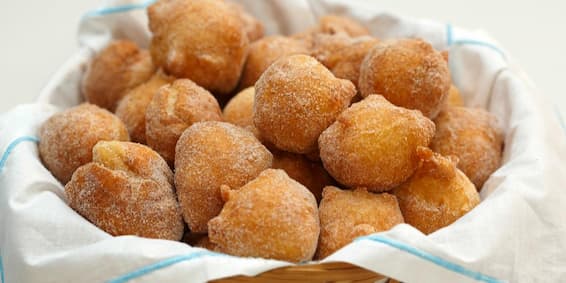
(36, 42)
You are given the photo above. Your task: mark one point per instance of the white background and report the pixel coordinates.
(37, 37)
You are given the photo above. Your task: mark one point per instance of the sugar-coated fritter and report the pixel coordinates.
(472, 135)
(373, 144)
(272, 216)
(66, 139)
(118, 68)
(346, 215)
(127, 189)
(209, 155)
(264, 52)
(407, 72)
(131, 109)
(296, 99)
(174, 108)
(202, 40)
(239, 110)
(437, 194)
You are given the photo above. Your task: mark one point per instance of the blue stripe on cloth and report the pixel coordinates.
(431, 258)
(560, 118)
(448, 34)
(117, 9)
(160, 265)
(1, 271)
(450, 41)
(12, 146)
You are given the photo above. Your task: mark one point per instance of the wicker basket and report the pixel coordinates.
(325, 272)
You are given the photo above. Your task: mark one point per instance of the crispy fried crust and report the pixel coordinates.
(131, 109)
(272, 216)
(472, 135)
(174, 108)
(373, 143)
(408, 73)
(346, 215)
(127, 190)
(66, 139)
(437, 194)
(118, 68)
(264, 52)
(202, 40)
(211, 154)
(310, 174)
(296, 99)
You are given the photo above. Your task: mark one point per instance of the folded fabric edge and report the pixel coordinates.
(451, 266)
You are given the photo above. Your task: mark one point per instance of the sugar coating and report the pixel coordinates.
(173, 109)
(211, 154)
(408, 73)
(118, 68)
(66, 139)
(324, 45)
(472, 135)
(310, 174)
(345, 63)
(272, 216)
(437, 194)
(127, 190)
(332, 25)
(240, 109)
(202, 40)
(131, 109)
(346, 215)
(296, 99)
(264, 52)
(372, 144)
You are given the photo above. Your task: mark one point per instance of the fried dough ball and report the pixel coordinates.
(345, 63)
(296, 99)
(324, 45)
(131, 109)
(407, 72)
(239, 110)
(333, 24)
(472, 135)
(66, 139)
(205, 243)
(372, 144)
(454, 97)
(346, 215)
(199, 240)
(264, 52)
(254, 28)
(272, 216)
(310, 174)
(127, 189)
(202, 40)
(118, 68)
(437, 194)
(174, 108)
(211, 154)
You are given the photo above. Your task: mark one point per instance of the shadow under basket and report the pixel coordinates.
(323, 272)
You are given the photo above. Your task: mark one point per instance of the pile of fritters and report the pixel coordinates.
(285, 146)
